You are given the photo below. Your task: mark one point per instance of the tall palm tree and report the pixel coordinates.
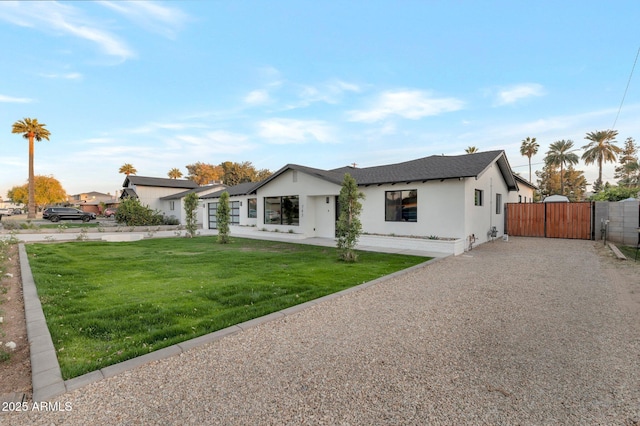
(529, 148)
(31, 130)
(471, 150)
(601, 149)
(174, 173)
(128, 169)
(561, 154)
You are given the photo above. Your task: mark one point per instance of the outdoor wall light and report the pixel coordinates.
(327, 200)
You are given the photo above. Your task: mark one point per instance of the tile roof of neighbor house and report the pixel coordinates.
(435, 167)
(161, 182)
(196, 190)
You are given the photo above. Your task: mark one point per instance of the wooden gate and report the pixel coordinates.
(552, 220)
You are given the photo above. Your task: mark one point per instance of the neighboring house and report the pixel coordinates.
(92, 201)
(525, 190)
(437, 196)
(175, 203)
(164, 195)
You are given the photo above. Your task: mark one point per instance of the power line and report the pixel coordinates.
(625, 90)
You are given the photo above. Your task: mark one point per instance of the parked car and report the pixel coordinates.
(6, 212)
(17, 211)
(54, 214)
(110, 212)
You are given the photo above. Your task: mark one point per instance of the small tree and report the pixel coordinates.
(222, 217)
(190, 205)
(132, 213)
(349, 228)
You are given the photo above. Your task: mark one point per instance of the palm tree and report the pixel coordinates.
(561, 154)
(31, 129)
(529, 148)
(471, 150)
(601, 149)
(128, 169)
(174, 173)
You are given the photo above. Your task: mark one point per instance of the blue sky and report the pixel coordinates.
(323, 84)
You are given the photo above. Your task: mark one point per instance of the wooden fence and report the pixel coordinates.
(552, 220)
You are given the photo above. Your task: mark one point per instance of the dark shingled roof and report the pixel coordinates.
(196, 190)
(435, 167)
(240, 189)
(162, 182)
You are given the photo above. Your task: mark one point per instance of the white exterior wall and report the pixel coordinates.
(312, 193)
(440, 210)
(479, 219)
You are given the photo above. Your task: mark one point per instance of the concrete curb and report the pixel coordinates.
(46, 375)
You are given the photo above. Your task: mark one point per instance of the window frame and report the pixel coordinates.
(399, 210)
(280, 217)
(478, 197)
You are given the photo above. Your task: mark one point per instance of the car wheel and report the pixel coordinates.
(54, 218)
(86, 218)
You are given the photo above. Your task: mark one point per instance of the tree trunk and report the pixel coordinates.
(31, 214)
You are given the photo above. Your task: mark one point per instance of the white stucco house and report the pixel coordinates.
(449, 197)
(166, 195)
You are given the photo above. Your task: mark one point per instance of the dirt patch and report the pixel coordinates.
(16, 371)
(625, 276)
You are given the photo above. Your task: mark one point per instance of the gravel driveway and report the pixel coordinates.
(529, 331)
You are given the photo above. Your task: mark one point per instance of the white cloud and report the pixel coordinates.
(212, 143)
(257, 97)
(63, 18)
(410, 104)
(151, 16)
(11, 99)
(285, 131)
(67, 76)
(513, 94)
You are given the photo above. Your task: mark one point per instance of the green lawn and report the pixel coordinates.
(109, 302)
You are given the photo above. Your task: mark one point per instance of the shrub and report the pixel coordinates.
(132, 213)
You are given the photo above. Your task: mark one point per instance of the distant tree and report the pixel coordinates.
(561, 154)
(628, 170)
(471, 150)
(615, 193)
(223, 214)
(203, 173)
(174, 173)
(601, 149)
(47, 190)
(263, 174)
(127, 169)
(31, 130)
(191, 202)
(19, 194)
(349, 227)
(528, 149)
(549, 182)
(236, 173)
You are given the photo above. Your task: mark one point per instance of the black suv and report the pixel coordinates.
(54, 214)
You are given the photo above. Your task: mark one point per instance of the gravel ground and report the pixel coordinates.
(529, 331)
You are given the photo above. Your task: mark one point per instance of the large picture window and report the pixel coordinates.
(282, 210)
(401, 206)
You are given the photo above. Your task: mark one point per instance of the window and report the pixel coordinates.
(401, 206)
(520, 198)
(253, 208)
(498, 203)
(477, 200)
(172, 205)
(282, 210)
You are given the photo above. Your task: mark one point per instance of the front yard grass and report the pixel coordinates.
(108, 302)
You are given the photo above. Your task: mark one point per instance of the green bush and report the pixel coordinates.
(132, 213)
